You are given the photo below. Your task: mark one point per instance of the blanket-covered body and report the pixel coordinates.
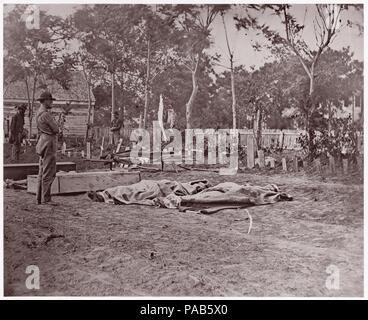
(196, 195)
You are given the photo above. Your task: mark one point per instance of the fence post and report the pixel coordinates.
(296, 164)
(261, 159)
(88, 150)
(281, 139)
(63, 148)
(102, 146)
(119, 145)
(318, 165)
(332, 164)
(305, 165)
(345, 166)
(284, 166)
(272, 163)
(250, 151)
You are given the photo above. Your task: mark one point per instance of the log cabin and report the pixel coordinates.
(75, 99)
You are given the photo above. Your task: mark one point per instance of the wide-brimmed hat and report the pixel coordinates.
(45, 96)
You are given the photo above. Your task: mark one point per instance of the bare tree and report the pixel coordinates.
(232, 76)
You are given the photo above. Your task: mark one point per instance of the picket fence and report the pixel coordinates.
(287, 139)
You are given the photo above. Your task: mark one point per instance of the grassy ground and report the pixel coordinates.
(88, 248)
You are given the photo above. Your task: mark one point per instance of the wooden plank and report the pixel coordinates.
(332, 166)
(284, 166)
(250, 152)
(272, 163)
(93, 181)
(119, 145)
(345, 166)
(88, 150)
(256, 162)
(305, 165)
(281, 139)
(261, 159)
(102, 146)
(242, 139)
(20, 171)
(86, 181)
(296, 167)
(63, 149)
(32, 185)
(318, 165)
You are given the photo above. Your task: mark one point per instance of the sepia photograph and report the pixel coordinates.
(183, 150)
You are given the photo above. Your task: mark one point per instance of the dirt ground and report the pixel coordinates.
(83, 248)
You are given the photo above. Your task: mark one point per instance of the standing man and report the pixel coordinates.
(115, 128)
(17, 131)
(46, 148)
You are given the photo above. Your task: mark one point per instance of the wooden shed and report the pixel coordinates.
(76, 96)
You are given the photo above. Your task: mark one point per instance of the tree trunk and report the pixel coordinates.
(89, 108)
(310, 107)
(112, 95)
(29, 107)
(259, 133)
(329, 117)
(311, 83)
(146, 96)
(353, 111)
(231, 74)
(189, 105)
(257, 128)
(32, 105)
(233, 93)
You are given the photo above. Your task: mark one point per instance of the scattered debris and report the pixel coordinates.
(53, 236)
(250, 221)
(19, 184)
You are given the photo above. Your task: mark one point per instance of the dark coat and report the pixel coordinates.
(16, 129)
(116, 125)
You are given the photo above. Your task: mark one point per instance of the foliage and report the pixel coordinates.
(37, 55)
(340, 141)
(126, 41)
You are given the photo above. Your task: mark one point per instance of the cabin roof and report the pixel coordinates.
(77, 90)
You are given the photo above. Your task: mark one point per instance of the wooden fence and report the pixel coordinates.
(104, 132)
(253, 158)
(285, 139)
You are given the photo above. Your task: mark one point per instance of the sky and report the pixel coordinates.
(241, 41)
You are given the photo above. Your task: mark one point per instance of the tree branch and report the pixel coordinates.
(227, 39)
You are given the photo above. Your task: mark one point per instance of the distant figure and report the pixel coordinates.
(115, 128)
(17, 131)
(46, 149)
